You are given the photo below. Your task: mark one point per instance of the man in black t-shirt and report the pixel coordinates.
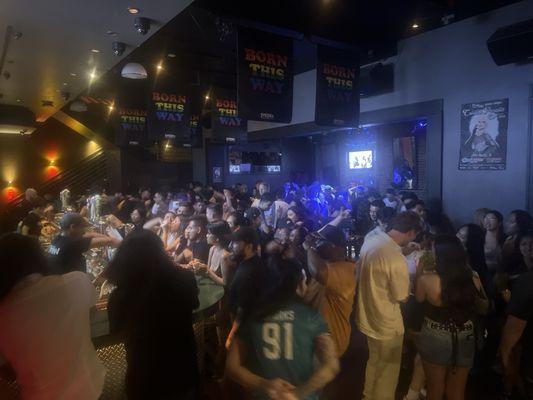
(251, 274)
(519, 327)
(31, 224)
(196, 246)
(67, 248)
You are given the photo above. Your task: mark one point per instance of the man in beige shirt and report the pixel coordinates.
(383, 285)
(335, 282)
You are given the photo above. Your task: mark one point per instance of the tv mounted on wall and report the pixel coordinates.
(360, 159)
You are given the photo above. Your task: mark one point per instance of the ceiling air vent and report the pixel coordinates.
(17, 120)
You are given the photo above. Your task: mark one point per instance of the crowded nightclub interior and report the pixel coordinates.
(279, 200)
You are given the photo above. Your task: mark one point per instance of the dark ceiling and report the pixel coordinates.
(374, 25)
(202, 38)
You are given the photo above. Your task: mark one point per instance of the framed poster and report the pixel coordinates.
(217, 174)
(484, 135)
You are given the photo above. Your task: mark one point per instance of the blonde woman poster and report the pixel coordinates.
(484, 135)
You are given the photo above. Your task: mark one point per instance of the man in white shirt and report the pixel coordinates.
(383, 285)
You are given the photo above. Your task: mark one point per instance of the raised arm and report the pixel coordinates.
(103, 240)
(317, 266)
(344, 214)
(151, 224)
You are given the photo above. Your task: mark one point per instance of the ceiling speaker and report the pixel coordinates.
(512, 44)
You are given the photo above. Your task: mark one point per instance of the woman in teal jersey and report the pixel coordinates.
(272, 354)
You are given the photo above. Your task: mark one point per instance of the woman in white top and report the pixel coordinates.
(218, 265)
(220, 269)
(45, 334)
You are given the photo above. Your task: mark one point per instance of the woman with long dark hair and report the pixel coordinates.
(472, 237)
(218, 264)
(519, 223)
(447, 339)
(272, 354)
(152, 308)
(297, 217)
(494, 239)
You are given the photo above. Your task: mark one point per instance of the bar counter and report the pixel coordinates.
(110, 347)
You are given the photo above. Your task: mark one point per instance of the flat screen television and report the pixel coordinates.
(361, 159)
(253, 162)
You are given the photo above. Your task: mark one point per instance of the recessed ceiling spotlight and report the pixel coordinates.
(415, 26)
(92, 74)
(171, 55)
(207, 96)
(73, 74)
(133, 10)
(95, 50)
(65, 83)
(111, 33)
(159, 67)
(19, 100)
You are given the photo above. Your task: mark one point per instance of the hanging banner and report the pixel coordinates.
(195, 126)
(131, 127)
(337, 89)
(226, 123)
(484, 135)
(197, 136)
(265, 76)
(168, 113)
(130, 115)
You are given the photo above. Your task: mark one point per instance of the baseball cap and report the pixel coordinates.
(333, 234)
(72, 218)
(245, 234)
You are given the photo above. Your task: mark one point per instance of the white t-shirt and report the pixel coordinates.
(383, 284)
(45, 335)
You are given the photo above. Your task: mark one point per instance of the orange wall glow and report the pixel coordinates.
(51, 172)
(9, 193)
(51, 155)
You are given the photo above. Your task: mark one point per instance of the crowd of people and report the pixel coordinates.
(302, 267)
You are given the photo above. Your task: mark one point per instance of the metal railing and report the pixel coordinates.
(78, 178)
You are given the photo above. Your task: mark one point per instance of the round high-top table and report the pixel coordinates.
(111, 350)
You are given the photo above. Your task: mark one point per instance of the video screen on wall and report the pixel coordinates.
(362, 159)
(250, 162)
